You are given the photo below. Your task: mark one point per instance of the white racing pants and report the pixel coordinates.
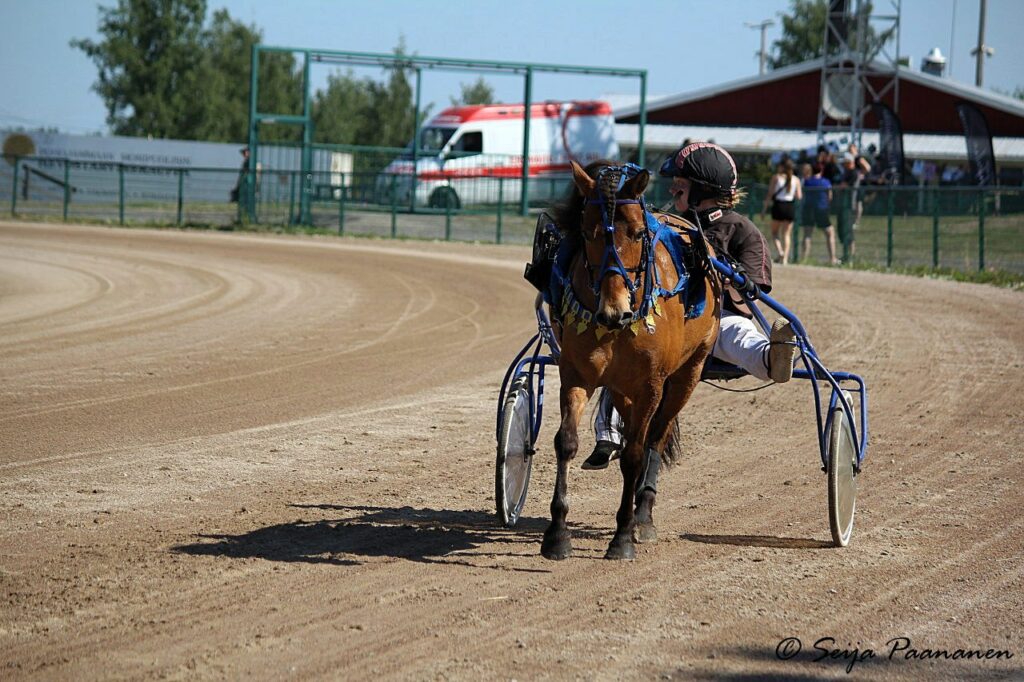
(740, 342)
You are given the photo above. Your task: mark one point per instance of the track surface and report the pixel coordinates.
(226, 455)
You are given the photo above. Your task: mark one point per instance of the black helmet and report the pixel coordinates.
(708, 166)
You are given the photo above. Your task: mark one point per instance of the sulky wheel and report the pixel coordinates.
(515, 452)
(842, 474)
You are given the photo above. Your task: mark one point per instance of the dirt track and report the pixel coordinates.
(237, 456)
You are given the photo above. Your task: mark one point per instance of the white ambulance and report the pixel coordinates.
(474, 154)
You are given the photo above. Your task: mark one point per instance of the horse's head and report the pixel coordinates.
(617, 242)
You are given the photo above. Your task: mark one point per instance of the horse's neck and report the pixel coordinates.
(581, 284)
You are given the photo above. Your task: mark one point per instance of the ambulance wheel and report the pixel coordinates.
(444, 197)
(515, 453)
(842, 476)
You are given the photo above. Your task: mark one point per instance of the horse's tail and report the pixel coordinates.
(673, 448)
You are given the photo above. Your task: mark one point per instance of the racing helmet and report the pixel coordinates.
(708, 167)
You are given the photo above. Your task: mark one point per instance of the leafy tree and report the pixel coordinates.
(162, 74)
(226, 66)
(803, 32)
(478, 92)
(392, 104)
(149, 65)
(355, 110)
(342, 111)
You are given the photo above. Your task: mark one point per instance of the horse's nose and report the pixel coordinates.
(616, 320)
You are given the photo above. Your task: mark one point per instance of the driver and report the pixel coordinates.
(704, 181)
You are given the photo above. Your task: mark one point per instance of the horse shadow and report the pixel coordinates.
(770, 541)
(358, 534)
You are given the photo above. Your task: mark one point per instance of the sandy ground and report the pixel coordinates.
(227, 456)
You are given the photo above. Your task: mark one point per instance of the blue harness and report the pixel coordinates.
(561, 296)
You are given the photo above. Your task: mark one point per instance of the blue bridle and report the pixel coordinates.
(611, 263)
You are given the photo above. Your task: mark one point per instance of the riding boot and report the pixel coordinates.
(781, 351)
(604, 452)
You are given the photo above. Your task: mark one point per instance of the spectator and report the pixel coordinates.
(827, 161)
(861, 162)
(784, 191)
(243, 175)
(852, 208)
(952, 175)
(818, 195)
(244, 179)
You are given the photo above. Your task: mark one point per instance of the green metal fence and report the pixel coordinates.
(961, 228)
(954, 227)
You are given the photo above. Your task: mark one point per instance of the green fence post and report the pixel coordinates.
(120, 192)
(291, 198)
(840, 196)
(181, 195)
(394, 206)
(67, 187)
(935, 228)
(448, 220)
(501, 191)
(14, 187)
(981, 231)
(888, 230)
(341, 206)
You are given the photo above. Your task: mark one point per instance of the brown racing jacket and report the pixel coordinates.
(735, 235)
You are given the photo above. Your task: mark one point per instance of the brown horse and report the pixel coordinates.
(615, 331)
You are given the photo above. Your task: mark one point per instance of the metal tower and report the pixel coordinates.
(859, 65)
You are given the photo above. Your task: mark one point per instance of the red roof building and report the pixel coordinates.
(788, 98)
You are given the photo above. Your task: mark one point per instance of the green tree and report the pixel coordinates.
(162, 74)
(392, 103)
(342, 112)
(353, 110)
(149, 65)
(478, 92)
(803, 33)
(226, 66)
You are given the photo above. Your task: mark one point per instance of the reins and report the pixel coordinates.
(611, 262)
(642, 280)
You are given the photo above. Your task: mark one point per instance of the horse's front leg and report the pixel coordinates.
(557, 544)
(632, 466)
(678, 390)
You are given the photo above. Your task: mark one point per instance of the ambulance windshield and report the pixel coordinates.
(433, 139)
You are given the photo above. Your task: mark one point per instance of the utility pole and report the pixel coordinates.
(982, 50)
(763, 53)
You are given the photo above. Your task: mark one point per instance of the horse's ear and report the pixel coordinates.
(637, 185)
(584, 183)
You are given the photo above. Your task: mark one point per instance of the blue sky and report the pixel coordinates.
(684, 44)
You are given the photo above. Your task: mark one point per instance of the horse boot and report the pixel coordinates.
(645, 531)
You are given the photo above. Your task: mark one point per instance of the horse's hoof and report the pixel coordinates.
(556, 549)
(646, 532)
(621, 550)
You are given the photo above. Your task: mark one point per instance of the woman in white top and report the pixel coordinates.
(784, 191)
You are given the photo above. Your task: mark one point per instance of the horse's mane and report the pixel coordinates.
(568, 212)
